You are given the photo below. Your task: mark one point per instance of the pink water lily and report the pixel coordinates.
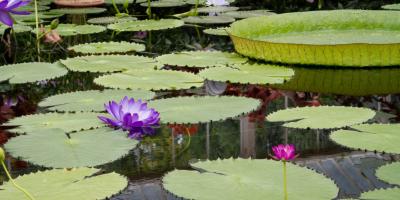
(284, 152)
(8, 7)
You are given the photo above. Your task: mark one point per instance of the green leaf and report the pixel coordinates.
(146, 25)
(201, 59)
(216, 9)
(107, 47)
(78, 11)
(242, 14)
(110, 20)
(92, 100)
(321, 117)
(150, 80)
(31, 72)
(248, 74)
(73, 29)
(389, 173)
(203, 2)
(208, 20)
(193, 110)
(382, 194)
(52, 147)
(108, 63)
(391, 6)
(68, 122)
(17, 28)
(222, 31)
(164, 4)
(372, 137)
(248, 179)
(62, 184)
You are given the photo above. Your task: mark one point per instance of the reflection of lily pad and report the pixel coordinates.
(73, 29)
(31, 72)
(382, 194)
(110, 20)
(242, 14)
(52, 147)
(184, 110)
(108, 63)
(150, 80)
(208, 20)
(321, 117)
(92, 100)
(216, 9)
(164, 4)
(372, 137)
(248, 74)
(63, 184)
(392, 7)
(248, 179)
(389, 173)
(78, 11)
(146, 25)
(201, 59)
(107, 47)
(18, 28)
(217, 31)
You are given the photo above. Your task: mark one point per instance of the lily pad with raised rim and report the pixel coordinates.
(208, 20)
(146, 25)
(107, 47)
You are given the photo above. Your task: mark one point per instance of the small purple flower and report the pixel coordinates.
(284, 152)
(9, 102)
(9, 6)
(133, 116)
(141, 34)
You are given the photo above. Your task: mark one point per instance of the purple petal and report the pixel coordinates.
(6, 18)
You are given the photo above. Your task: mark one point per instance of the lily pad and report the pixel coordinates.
(122, 1)
(107, 47)
(321, 117)
(110, 20)
(201, 109)
(31, 8)
(108, 63)
(249, 74)
(382, 194)
(354, 38)
(17, 28)
(392, 6)
(164, 4)
(217, 31)
(203, 2)
(146, 25)
(208, 20)
(201, 59)
(73, 29)
(63, 184)
(389, 173)
(372, 137)
(31, 72)
(216, 9)
(92, 100)
(52, 147)
(150, 80)
(68, 122)
(32, 17)
(78, 11)
(242, 14)
(247, 179)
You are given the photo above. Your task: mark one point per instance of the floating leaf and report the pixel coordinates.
(216, 9)
(382, 194)
(242, 14)
(123, 1)
(92, 100)
(78, 11)
(203, 2)
(217, 31)
(32, 18)
(17, 28)
(247, 179)
(107, 47)
(68, 122)
(73, 29)
(108, 63)
(110, 20)
(31, 72)
(208, 20)
(372, 137)
(201, 59)
(193, 110)
(248, 74)
(146, 25)
(150, 80)
(321, 117)
(389, 173)
(392, 7)
(164, 4)
(63, 184)
(31, 8)
(52, 147)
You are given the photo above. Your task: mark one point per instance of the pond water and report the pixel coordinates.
(248, 136)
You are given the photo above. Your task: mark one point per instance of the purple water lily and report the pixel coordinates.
(284, 152)
(133, 116)
(10, 6)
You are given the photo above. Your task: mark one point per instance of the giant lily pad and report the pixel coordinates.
(107, 47)
(372, 137)
(193, 110)
(392, 7)
(151, 80)
(78, 11)
(208, 20)
(248, 179)
(342, 37)
(68, 122)
(389, 173)
(248, 74)
(146, 25)
(382, 194)
(63, 184)
(73, 29)
(92, 100)
(52, 147)
(31, 72)
(242, 14)
(321, 117)
(201, 59)
(109, 63)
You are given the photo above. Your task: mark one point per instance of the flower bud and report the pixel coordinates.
(54, 24)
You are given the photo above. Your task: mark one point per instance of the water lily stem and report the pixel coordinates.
(29, 196)
(284, 180)
(148, 11)
(37, 30)
(115, 7)
(195, 7)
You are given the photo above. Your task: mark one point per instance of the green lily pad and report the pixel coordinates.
(201, 59)
(201, 109)
(78, 11)
(31, 72)
(150, 80)
(107, 47)
(146, 25)
(73, 29)
(392, 6)
(354, 38)
(372, 137)
(248, 179)
(382, 194)
(17, 28)
(249, 74)
(164, 4)
(389, 173)
(63, 184)
(321, 117)
(52, 147)
(31, 8)
(208, 20)
(68, 122)
(203, 2)
(110, 20)
(217, 31)
(242, 14)
(32, 17)
(216, 9)
(92, 100)
(108, 63)
(122, 1)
